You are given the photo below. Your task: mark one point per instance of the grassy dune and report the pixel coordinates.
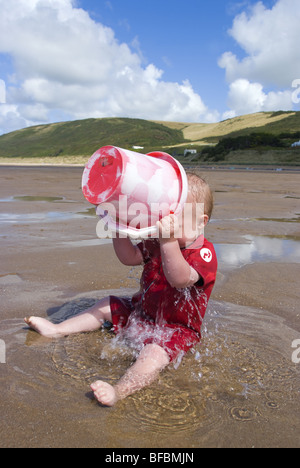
(273, 122)
(74, 142)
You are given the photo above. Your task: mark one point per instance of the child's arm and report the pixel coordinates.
(127, 253)
(178, 272)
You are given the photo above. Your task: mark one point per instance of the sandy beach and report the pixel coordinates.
(240, 388)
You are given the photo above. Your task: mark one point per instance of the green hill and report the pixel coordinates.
(75, 141)
(264, 138)
(266, 122)
(84, 137)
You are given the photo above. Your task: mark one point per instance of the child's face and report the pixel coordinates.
(191, 222)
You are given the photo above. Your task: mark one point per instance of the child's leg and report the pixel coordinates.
(152, 360)
(89, 320)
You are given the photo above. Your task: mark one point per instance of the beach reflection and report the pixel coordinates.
(258, 249)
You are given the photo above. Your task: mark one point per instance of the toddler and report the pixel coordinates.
(163, 320)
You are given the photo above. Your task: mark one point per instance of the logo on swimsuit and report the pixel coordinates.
(206, 255)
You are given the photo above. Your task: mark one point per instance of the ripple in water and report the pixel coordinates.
(241, 373)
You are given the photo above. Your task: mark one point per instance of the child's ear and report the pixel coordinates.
(202, 222)
(205, 220)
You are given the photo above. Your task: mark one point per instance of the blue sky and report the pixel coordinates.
(185, 39)
(192, 60)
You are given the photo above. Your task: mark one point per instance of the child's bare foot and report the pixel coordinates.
(43, 327)
(104, 393)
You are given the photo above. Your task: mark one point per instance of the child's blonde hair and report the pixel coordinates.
(201, 192)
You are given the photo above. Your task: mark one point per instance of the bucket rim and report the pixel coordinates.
(151, 231)
(93, 198)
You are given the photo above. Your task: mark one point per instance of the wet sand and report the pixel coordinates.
(240, 388)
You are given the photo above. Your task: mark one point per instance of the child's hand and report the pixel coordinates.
(168, 228)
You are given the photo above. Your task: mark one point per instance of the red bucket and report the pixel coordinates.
(123, 182)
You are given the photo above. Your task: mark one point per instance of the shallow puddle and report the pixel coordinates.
(38, 199)
(238, 388)
(47, 216)
(258, 249)
(280, 220)
(32, 199)
(29, 216)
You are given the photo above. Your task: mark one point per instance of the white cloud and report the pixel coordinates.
(269, 39)
(68, 65)
(10, 118)
(245, 98)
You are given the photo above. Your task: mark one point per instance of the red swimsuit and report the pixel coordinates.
(161, 314)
